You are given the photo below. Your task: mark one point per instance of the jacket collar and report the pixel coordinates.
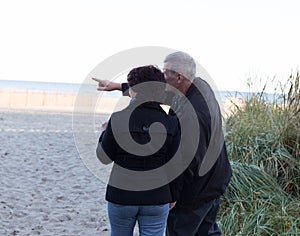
(191, 90)
(153, 105)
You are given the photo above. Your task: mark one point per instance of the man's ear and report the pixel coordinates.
(180, 78)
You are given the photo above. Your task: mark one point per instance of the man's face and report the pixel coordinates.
(171, 77)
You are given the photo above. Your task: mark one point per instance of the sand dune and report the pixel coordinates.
(47, 101)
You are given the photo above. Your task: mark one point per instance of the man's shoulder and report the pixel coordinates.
(202, 87)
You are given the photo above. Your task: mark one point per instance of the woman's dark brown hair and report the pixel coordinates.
(152, 91)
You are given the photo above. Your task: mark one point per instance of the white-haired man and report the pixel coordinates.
(196, 209)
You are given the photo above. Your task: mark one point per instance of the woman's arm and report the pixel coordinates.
(106, 145)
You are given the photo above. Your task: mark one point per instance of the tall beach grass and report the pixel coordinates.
(263, 141)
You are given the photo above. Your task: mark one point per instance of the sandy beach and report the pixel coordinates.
(45, 188)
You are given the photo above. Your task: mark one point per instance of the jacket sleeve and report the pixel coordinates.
(176, 185)
(125, 88)
(106, 145)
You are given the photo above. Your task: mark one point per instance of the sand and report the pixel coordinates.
(45, 188)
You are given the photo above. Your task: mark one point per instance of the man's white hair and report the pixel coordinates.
(182, 63)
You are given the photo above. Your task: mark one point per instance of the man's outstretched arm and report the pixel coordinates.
(106, 85)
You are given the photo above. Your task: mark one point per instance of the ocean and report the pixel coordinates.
(39, 86)
(48, 87)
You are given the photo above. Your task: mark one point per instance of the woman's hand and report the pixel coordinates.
(106, 85)
(104, 126)
(172, 205)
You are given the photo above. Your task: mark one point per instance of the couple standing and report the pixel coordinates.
(186, 205)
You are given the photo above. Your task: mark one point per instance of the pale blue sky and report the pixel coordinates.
(64, 40)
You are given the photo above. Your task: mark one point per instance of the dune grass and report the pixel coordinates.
(263, 141)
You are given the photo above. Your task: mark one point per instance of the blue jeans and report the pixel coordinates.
(151, 219)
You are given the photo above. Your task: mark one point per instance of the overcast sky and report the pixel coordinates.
(62, 41)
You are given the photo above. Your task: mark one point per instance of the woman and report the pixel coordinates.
(149, 208)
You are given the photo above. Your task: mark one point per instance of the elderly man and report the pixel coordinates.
(196, 209)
